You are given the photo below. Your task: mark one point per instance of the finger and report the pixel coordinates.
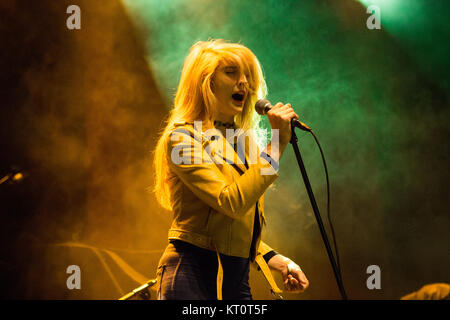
(302, 277)
(294, 283)
(284, 108)
(297, 288)
(300, 287)
(287, 287)
(284, 114)
(304, 281)
(305, 284)
(288, 282)
(299, 276)
(292, 279)
(285, 111)
(275, 109)
(288, 115)
(277, 106)
(291, 287)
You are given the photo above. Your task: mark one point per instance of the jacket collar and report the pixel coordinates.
(221, 138)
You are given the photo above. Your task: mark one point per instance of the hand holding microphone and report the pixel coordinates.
(280, 116)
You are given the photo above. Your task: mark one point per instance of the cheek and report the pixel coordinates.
(223, 89)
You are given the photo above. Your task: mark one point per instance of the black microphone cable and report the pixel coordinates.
(328, 205)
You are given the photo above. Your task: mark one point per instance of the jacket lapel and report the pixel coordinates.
(230, 155)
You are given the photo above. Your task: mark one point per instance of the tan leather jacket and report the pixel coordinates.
(223, 218)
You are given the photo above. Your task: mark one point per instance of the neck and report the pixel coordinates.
(223, 125)
(224, 118)
(223, 121)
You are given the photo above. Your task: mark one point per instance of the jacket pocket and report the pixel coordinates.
(208, 218)
(260, 207)
(263, 219)
(159, 279)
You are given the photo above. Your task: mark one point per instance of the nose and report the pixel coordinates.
(243, 80)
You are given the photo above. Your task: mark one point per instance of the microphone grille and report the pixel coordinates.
(262, 106)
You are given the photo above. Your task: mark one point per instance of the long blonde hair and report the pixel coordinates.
(194, 100)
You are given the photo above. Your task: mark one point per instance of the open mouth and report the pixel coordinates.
(238, 97)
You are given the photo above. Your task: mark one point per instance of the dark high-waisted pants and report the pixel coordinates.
(188, 272)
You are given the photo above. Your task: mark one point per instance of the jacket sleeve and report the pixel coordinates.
(194, 166)
(264, 248)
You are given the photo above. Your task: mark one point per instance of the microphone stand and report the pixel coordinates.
(337, 274)
(142, 291)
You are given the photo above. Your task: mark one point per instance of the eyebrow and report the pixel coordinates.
(231, 67)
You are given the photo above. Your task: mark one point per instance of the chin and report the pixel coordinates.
(237, 111)
(238, 108)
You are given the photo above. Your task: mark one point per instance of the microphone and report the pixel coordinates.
(263, 106)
